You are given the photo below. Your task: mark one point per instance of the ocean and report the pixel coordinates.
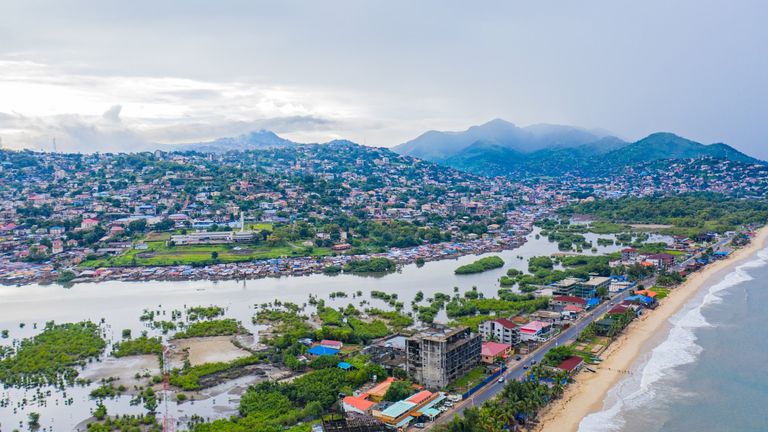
(709, 372)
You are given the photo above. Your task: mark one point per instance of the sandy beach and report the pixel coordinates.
(587, 394)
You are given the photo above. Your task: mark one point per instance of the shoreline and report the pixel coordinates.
(260, 269)
(588, 392)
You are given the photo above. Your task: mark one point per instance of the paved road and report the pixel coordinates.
(516, 368)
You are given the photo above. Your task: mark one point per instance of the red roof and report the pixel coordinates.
(569, 299)
(573, 308)
(493, 349)
(420, 397)
(533, 327)
(359, 403)
(571, 363)
(628, 250)
(618, 309)
(331, 343)
(505, 323)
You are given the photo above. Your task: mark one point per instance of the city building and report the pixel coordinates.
(500, 330)
(536, 331)
(589, 288)
(439, 355)
(490, 351)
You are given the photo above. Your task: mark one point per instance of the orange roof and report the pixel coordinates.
(646, 264)
(379, 389)
(420, 397)
(648, 293)
(359, 403)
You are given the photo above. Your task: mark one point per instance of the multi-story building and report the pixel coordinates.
(589, 288)
(439, 355)
(500, 330)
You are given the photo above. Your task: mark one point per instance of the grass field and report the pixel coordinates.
(159, 254)
(469, 380)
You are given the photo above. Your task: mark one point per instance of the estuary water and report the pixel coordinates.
(118, 305)
(708, 373)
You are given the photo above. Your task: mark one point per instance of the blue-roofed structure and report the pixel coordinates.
(397, 409)
(321, 350)
(344, 365)
(592, 302)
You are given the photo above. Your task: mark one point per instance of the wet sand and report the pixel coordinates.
(209, 349)
(587, 394)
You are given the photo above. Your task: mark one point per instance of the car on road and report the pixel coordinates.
(518, 358)
(501, 380)
(525, 366)
(419, 425)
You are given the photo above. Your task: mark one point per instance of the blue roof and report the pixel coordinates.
(397, 409)
(344, 365)
(321, 350)
(593, 302)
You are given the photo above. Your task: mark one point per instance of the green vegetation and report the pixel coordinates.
(373, 265)
(481, 265)
(468, 380)
(144, 423)
(689, 214)
(52, 356)
(395, 319)
(398, 390)
(207, 312)
(66, 276)
(107, 390)
(222, 327)
(516, 405)
(354, 330)
(556, 355)
(138, 346)
(189, 377)
(159, 253)
(272, 406)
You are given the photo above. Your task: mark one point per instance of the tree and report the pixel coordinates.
(34, 420)
(399, 390)
(214, 255)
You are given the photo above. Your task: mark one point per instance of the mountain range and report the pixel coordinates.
(501, 148)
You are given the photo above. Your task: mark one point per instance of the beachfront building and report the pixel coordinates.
(500, 330)
(437, 356)
(536, 331)
(571, 364)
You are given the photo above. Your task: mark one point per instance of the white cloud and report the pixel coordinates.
(112, 113)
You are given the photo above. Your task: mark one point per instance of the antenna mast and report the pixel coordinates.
(168, 422)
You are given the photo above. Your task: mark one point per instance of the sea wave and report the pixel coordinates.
(679, 348)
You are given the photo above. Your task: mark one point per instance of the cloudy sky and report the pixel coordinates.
(117, 75)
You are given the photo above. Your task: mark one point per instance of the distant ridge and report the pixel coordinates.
(255, 140)
(501, 148)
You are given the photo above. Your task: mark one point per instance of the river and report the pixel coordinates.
(119, 304)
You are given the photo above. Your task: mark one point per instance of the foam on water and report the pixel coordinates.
(679, 348)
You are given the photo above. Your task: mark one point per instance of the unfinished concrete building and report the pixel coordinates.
(439, 355)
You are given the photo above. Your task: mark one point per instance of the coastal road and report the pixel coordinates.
(516, 369)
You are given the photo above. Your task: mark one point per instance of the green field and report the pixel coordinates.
(160, 254)
(468, 380)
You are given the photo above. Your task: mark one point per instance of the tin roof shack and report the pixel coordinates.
(437, 356)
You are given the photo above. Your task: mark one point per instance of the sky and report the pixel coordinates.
(116, 76)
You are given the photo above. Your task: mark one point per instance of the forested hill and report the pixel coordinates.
(688, 213)
(501, 148)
